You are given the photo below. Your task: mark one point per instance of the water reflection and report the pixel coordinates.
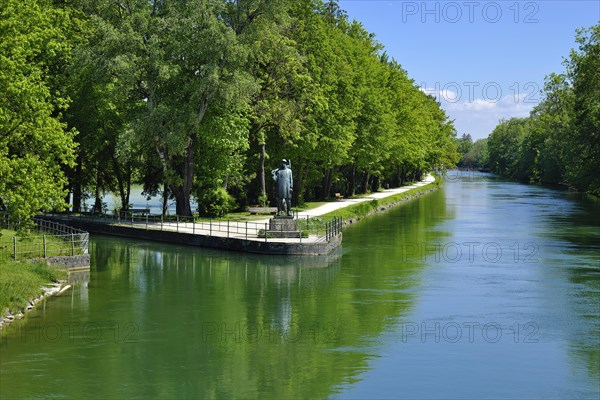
(172, 321)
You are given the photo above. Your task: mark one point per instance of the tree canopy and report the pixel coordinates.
(559, 143)
(198, 98)
(35, 143)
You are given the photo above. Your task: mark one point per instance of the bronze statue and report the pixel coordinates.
(285, 184)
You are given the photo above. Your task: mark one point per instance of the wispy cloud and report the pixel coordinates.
(479, 116)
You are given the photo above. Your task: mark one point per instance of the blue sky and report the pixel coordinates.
(485, 60)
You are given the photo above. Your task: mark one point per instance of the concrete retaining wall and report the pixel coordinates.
(80, 261)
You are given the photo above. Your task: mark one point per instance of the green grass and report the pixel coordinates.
(365, 208)
(309, 205)
(22, 281)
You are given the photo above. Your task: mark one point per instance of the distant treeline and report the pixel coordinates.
(202, 98)
(559, 143)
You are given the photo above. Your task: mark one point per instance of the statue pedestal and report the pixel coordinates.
(283, 226)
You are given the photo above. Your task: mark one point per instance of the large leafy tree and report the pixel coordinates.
(180, 64)
(35, 145)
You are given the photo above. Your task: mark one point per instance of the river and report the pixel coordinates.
(483, 289)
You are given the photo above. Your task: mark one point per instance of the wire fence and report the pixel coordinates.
(46, 239)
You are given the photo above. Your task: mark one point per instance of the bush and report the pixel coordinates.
(262, 200)
(215, 202)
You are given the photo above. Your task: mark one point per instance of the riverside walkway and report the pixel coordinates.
(316, 235)
(339, 204)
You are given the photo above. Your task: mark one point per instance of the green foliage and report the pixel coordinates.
(215, 202)
(559, 142)
(181, 95)
(262, 200)
(34, 143)
(504, 145)
(22, 281)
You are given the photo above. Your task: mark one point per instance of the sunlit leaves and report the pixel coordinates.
(34, 142)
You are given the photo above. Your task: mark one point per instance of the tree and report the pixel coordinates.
(504, 146)
(583, 69)
(177, 61)
(35, 144)
(560, 141)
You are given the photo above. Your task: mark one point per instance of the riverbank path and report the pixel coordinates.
(338, 204)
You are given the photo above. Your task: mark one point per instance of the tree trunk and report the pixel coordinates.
(376, 183)
(299, 180)
(98, 201)
(121, 185)
(128, 184)
(165, 199)
(77, 186)
(365, 182)
(402, 176)
(182, 192)
(182, 202)
(261, 171)
(353, 181)
(326, 183)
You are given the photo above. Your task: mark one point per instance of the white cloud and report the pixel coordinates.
(479, 116)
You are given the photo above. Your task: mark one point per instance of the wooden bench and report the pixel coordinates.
(338, 196)
(132, 211)
(262, 210)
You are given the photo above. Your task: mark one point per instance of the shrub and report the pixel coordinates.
(215, 202)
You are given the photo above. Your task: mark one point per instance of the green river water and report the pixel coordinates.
(483, 289)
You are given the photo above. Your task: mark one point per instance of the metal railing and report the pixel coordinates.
(49, 239)
(314, 228)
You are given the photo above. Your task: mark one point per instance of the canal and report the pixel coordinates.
(483, 289)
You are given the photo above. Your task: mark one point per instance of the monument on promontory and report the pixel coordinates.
(283, 224)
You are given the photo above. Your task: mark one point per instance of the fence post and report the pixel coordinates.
(210, 227)
(45, 251)
(178, 224)
(265, 232)
(72, 244)
(193, 226)
(246, 230)
(228, 228)
(161, 222)
(15, 248)
(146, 222)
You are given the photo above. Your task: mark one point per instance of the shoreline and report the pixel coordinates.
(49, 290)
(382, 204)
(71, 265)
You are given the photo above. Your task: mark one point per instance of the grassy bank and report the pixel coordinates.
(22, 281)
(361, 210)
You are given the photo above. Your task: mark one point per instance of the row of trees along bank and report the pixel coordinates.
(559, 143)
(202, 98)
